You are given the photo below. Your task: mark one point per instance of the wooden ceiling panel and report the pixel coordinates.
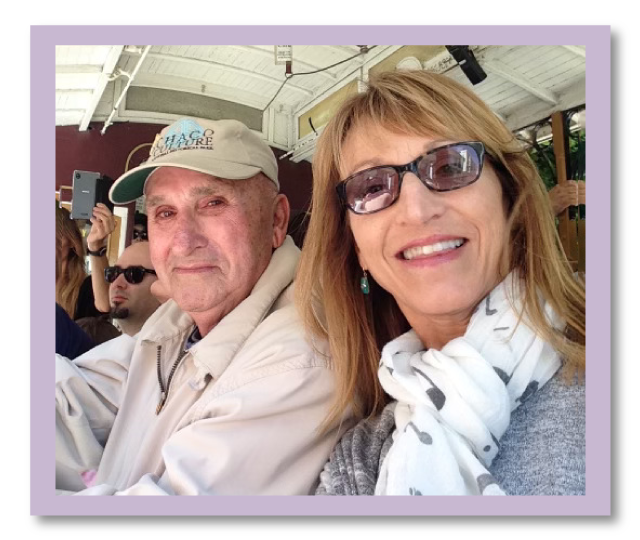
(76, 81)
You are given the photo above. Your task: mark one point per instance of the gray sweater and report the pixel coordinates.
(541, 453)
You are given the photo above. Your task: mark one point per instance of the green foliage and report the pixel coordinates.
(544, 159)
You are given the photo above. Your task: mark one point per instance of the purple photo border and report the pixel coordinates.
(597, 501)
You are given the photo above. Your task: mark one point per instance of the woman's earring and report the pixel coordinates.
(364, 283)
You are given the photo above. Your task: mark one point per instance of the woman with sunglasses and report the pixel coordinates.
(432, 267)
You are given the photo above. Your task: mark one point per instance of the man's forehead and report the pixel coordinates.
(175, 179)
(163, 184)
(135, 255)
(180, 174)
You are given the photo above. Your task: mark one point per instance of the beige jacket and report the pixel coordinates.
(242, 412)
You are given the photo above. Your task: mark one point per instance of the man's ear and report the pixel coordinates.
(281, 213)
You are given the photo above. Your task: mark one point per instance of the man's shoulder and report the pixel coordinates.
(277, 353)
(165, 322)
(119, 346)
(283, 333)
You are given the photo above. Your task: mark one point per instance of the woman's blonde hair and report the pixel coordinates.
(327, 284)
(70, 269)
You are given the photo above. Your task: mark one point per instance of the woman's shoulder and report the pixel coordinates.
(86, 285)
(543, 450)
(355, 461)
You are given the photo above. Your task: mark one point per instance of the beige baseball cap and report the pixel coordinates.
(223, 148)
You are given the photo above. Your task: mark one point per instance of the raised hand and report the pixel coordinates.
(564, 195)
(102, 225)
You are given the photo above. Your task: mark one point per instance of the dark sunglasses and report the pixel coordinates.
(133, 274)
(445, 168)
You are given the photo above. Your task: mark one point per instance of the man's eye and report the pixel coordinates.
(164, 214)
(214, 203)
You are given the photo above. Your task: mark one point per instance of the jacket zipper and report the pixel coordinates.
(164, 392)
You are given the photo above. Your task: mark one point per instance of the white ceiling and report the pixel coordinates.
(158, 84)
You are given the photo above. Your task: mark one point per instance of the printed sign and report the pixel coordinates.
(283, 53)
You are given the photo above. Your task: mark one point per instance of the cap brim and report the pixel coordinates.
(130, 185)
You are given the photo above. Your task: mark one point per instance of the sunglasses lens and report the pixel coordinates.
(451, 167)
(111, 274)
(373, 190)
(134, 274)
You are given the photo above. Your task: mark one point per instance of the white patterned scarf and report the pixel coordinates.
(455, 404)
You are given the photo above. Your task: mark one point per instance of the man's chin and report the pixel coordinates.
(196, 304)
(119, 312)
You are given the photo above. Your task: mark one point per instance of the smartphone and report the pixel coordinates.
(89, 189)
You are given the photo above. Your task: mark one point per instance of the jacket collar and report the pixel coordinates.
(216, 350)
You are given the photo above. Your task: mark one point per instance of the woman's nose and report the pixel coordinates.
(416, 202)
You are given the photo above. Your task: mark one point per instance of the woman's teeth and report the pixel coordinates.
(422, 251)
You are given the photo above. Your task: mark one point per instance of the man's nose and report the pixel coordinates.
(120, 282)
(188, 234)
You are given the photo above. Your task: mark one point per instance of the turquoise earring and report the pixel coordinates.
(364, 283)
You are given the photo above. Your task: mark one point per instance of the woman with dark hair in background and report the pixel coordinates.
(433, 268)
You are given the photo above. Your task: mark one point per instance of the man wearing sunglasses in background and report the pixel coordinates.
(131, 304)
(130, 297)
(224, 395)
(139, 228)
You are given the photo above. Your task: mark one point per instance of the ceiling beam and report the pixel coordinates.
(107, 72)
(70, 110)
(73, 98)
(503, 70)
(74, 91)
(78, 69)
(227, 67)
(525, 116)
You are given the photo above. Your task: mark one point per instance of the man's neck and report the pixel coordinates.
(208, 320)
(129, 327)
(204, 327)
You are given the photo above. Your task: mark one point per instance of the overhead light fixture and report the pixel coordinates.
(410, 63)
(467, 62)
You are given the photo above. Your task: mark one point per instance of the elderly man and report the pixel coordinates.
(130, 297)
(224, 395)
